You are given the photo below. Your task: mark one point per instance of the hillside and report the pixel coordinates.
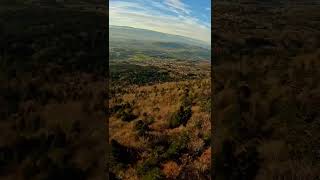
(53, 67)
(266, 92)
(159, 102)
(160, 119)
(130, 33)
(125, 42)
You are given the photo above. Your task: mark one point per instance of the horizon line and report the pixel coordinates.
(207, 43)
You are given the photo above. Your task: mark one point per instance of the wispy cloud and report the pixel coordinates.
(177, 5)
(169, 16)
(208, 9)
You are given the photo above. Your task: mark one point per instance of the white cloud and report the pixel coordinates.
(208, 9)
(177, 5)
(154, 15)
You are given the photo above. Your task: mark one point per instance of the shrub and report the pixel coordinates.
(180, 117)
(206, 105)
(120, 108)
(141, 127)
(124, 111)
(204, 161)
(171, 169)
(150, 120)
(207, 138)
(127, 116)
(153, 174)
(147, 168)
(176, 147)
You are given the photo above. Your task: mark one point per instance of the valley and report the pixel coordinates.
(159, 113)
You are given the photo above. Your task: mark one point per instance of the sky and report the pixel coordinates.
(189, 18)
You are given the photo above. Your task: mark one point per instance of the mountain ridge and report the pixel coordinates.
(132, 33)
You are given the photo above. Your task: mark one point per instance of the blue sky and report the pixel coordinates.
(190, 18)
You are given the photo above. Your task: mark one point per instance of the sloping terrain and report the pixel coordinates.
(53, 60)
(130, 33)
(125, 42)
(265, 66)
(162, 123)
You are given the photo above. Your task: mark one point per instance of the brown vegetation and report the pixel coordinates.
(266, 91)
(169, 129)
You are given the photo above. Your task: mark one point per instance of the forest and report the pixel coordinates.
(266, 90)
(53, 75)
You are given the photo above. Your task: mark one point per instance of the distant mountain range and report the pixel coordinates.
(120, 33)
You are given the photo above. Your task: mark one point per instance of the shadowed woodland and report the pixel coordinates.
(53, 71)
(53, 96)
(266, 90)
